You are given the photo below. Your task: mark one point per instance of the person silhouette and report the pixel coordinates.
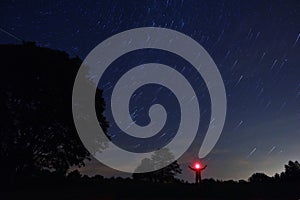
(197, 169)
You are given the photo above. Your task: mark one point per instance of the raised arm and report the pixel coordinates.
(192, 168)
(203, 167)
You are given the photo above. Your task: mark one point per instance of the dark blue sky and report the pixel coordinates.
(255, 45)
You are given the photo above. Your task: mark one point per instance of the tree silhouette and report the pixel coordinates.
(260, 178)
(38, 133)
(292, 172)
(146, 165)
(160, 158)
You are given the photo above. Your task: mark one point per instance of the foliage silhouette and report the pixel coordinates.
(160, 158)
(292, 172)
(260, 178)
(38, 134)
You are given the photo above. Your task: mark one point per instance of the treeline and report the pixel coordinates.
(290, 175)
(77, 186)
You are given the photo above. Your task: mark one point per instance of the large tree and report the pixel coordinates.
(37, 131)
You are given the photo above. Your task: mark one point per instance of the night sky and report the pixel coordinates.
(255, 44)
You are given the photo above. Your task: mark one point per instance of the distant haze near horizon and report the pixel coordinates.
(256, 46)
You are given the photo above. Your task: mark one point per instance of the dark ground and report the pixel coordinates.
(129, 189)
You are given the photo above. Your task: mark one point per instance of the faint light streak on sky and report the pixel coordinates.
(271, 150)
(251, 153)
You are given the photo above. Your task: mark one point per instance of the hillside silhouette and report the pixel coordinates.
(39, 143)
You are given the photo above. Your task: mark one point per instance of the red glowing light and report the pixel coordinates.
(197, 165)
